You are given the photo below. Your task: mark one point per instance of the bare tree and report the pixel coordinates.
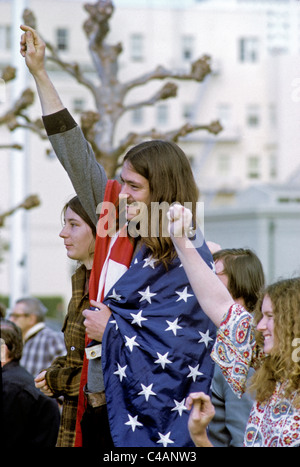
(109, 94)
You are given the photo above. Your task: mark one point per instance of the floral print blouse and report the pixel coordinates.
(275, 422)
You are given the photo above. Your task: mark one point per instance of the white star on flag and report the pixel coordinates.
(180, 406)
(113, 321)
(149, 262)
(130, 342)
(121, 371)
(137, 318)
(205, 337)
(163, 359)
(194, 372)
(115, 296)
(133, 422)
(165, 439)
(184, 295)
(146, 295)
(147, 392)
(173, 326)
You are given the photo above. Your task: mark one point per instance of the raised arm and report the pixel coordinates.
(74, 152)
(33, 50)
(212, 295)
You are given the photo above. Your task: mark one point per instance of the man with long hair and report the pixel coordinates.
(149, 335)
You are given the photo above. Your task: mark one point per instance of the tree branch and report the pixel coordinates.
(33, 127)
(173, 135)
(96, 28)
(10, 117)
(199, 70)
(8, 74)
(11, 146)
(214, 128)
(72, 68)
(30, 202)
(167, 91)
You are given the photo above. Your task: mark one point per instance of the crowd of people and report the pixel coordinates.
(163, 335)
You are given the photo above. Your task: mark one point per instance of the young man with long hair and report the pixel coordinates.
(149, 335)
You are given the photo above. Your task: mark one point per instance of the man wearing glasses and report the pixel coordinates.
(41, 344)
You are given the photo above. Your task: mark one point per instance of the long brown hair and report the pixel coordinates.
(245, 274)
(171, 180)
(280, 366)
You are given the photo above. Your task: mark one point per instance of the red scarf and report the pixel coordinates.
(121, 252)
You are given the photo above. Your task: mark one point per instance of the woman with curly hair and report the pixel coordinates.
(268, 342)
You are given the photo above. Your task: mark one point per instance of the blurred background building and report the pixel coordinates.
(248, 175)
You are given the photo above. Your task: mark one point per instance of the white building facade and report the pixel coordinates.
(254, 90)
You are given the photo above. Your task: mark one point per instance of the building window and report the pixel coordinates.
(137, 47)
(78, 105)
(253, 116)
(5, 33)
(187, 48)
(253, 168)
(224, 113)
(188, 112)
(273, 166)
(224, 165)
(162, 114)
(278, 32)
(249, 50)
(62, 39)
(137, 116)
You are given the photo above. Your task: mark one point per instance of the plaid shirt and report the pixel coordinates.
(42, 345)
(63, 376)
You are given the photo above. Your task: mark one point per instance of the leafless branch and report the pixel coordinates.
(73, 69)
(167, 91)
(30, 202)
(11, 146)
(199, 70)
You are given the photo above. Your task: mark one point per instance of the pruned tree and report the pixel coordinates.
(99, 125)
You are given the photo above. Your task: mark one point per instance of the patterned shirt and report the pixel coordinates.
(42, 345)
(275, 422)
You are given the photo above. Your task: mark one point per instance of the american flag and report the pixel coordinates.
(155, 351)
